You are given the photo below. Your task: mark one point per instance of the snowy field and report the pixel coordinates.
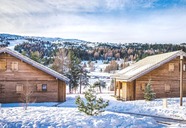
(66, 115)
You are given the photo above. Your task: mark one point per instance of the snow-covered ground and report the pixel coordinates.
(43, 117)
(66, 115)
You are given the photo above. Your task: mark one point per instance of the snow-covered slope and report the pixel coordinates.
(17, 39)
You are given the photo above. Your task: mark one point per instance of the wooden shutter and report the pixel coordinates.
(184, 67)
(167, 88)
(171, 67)
(14, 66)
(2, 64)
(39, 87)
(19, 88)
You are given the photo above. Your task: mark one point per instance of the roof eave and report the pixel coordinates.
(153, 67)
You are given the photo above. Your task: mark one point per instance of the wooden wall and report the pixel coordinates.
(31, 75)
(62, 91)
(130, 91)
(38, 96)
(161, 77)
(125, 90)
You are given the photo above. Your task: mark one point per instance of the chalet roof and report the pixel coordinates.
(146, 65)
(34, 63)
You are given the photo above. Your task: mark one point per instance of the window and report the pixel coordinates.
(167, 88)
(44, 87)
(2, 64)
(171, 67)
(14, 66)
(19, 88)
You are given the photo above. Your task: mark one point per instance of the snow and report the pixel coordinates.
(66, 115)
(13, 43)
(137, 70)
(141, 106)
(68, 118)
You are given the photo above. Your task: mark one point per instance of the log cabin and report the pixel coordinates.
(21, 76)
(163, 71)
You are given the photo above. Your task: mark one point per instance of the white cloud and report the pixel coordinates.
(91, 20)
(70, 6)
(47, 6)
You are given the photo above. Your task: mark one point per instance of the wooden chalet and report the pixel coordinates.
(164, 72)
(20, 75)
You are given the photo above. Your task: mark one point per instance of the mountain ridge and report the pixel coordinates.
(15, 36)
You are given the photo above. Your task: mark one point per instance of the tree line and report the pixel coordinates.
(106, 51)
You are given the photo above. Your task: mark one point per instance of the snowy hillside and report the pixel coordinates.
(17, 39)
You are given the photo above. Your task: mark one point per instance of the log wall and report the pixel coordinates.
(28, 75)
(160, 78)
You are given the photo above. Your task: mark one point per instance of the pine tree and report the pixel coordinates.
(84, 78)
(66, 62)
(148, 92)
(92, 106)
(35, 56)
(74, 72)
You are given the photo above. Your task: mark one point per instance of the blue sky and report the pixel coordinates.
(117, 21)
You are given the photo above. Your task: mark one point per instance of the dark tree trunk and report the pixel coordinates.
(70, 89)
(100, 89)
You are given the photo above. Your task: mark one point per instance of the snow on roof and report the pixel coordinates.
(34, 63)
(146, 65)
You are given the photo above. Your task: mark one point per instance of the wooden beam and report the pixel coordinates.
(118, 89)
(181, 80)
(134, 90)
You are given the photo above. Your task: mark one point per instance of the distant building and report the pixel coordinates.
(163, 70)
(18, 72)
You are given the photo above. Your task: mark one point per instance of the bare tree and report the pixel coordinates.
(26, 95)
(61, 61)
(112, 66)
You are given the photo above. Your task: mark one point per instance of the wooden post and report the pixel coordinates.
(134, 90)
(119, 89)
(181, 80)
(115, 86)
(165, 103)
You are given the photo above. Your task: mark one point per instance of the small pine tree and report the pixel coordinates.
(149, 93)
(92, 106)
